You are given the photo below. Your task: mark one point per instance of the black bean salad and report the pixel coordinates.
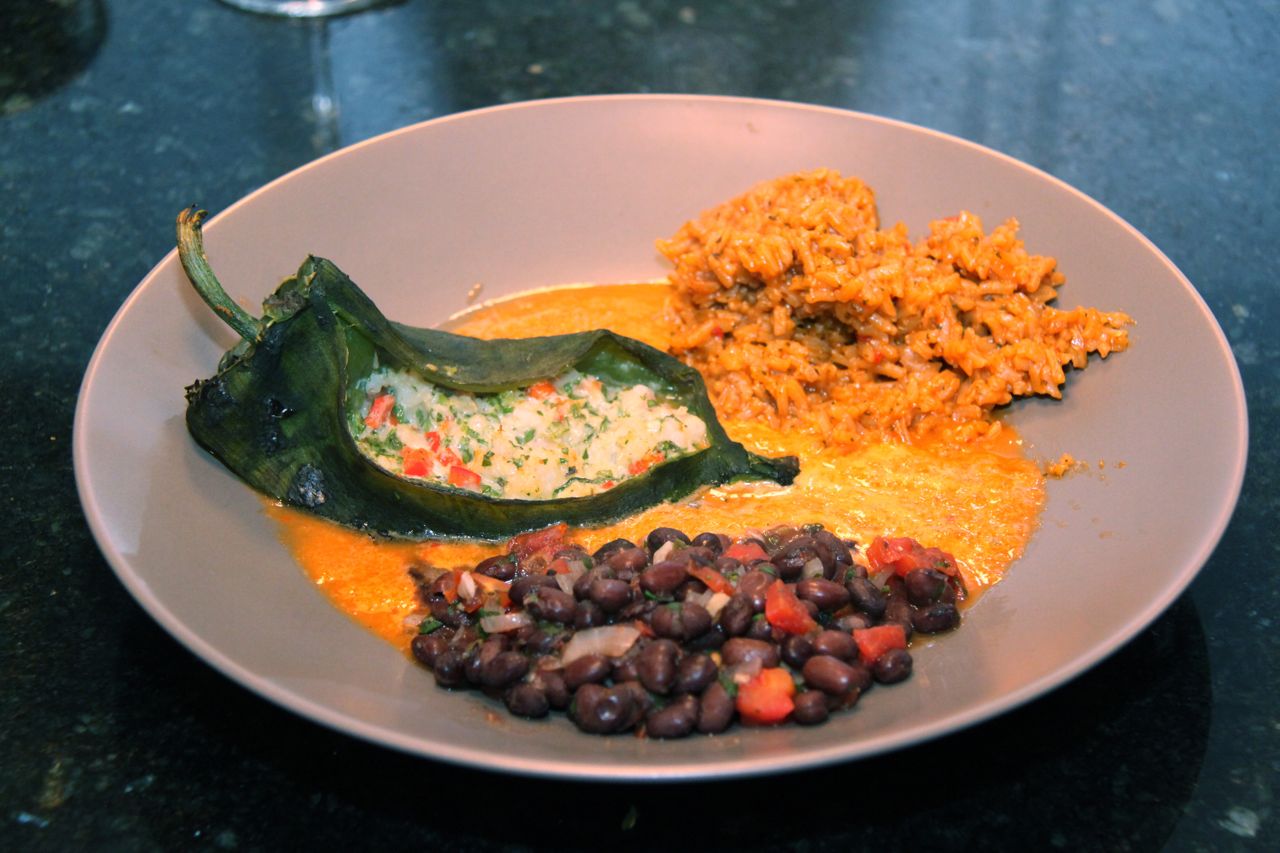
(674, 635)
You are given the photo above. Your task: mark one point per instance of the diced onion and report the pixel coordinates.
(501, 622)
(467, 588)
(413, 620)
(881, 578)
(699, 598)
(812, 568)
(608, 640)
(569, 574)
(664, 551)
(716, 603)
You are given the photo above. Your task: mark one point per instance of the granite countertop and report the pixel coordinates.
(115, 114)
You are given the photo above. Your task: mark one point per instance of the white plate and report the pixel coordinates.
(577, 190)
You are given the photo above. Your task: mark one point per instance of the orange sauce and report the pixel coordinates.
(980, 502)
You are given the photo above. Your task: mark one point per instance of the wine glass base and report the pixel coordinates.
(303, 8)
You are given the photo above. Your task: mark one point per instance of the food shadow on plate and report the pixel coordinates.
(1057, 758)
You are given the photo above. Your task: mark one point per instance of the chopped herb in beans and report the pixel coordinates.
(672, 635)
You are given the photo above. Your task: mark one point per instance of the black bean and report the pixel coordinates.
(610, 548)
(853, 622)
(838, 644)
(641, 702)
(827, 595)
(924, 586)
(582, 586)
(735, 616)
(504, 669)
(792, 557)
(522, 586)
(894, 587)
(811, 608)
(708, 641)
(627, 562)
(611, 594)
(639, 608)
(899, 610)
(552, 683)
(526, 700)
(663, 578)
(694, 673)
(728, 565)
(715, 542)
(935, 618)
(625, 669)
(675, 720)
(760, 629)
(539, 642)
(502, 567)
(778, 536)
(552, 604)
(715, 709)
(796, 649)
(810, 708)
(866, 597)
(741, 650)
(478, 657)
(656, 665)
(892, 666)
(680, 621)
(841, 555)
(427, 647)
(862, 679)
(828, 674)
(588, 669)
(602, 710)
(588, 615)
(449, 668)
(660, 536)
(754, 584)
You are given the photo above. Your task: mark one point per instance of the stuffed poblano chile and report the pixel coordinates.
(326, 405)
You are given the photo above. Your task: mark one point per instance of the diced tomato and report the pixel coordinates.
(766, 698)
(873, 642)
(379, 410)
(464, 478)
(902, 554)
(495, 587)
(644, 463)
(715, 581)
(785, 611)
(449, 586)
(544, 542)
(417, 461)
(608, 484)
(542, 390)
(645, 629)
(745, 552)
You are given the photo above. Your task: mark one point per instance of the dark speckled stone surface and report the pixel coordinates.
(113, 115)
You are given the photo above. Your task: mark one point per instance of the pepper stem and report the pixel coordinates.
(196, 265)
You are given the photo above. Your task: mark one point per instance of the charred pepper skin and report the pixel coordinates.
(274, 413)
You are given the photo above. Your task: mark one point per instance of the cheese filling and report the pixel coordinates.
(570, 436)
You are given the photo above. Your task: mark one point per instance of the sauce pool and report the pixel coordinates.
(980, 502)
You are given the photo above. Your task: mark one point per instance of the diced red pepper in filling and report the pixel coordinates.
(873, 642)
(785, 611)
(463, 478)
(379, 410)
(766, 698)
(542, 390)
(417, 461)
(746, 552)
(448, 458)
(433, 441)
(644, 463)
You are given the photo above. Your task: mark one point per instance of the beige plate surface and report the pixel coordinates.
(577, 190)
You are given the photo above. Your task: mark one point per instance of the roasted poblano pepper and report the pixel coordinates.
(276, 411)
